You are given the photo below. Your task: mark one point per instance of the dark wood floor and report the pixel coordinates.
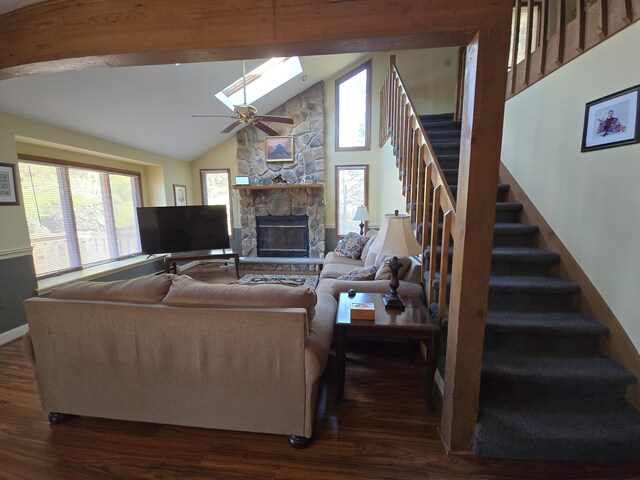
(381, 430)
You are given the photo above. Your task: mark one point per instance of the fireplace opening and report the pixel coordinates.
(283, 236)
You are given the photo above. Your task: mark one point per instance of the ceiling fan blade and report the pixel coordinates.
(214, 116)
(231, 127)
(266, 129)
(271, 118)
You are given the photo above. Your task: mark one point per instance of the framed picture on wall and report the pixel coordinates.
(612, 121)
(8, 193)
(180, 195)
(278, 149)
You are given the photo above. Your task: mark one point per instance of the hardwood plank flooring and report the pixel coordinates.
(381, 430)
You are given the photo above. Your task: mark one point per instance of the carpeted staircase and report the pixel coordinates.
(546, 393)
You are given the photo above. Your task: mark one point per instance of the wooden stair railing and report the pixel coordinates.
(574, 32)
(419, 171)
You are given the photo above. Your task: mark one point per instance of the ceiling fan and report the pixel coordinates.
(248, 114)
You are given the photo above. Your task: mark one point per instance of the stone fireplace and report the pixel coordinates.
(302, 197)
(282, 236)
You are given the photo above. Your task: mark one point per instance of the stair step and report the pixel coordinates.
(551, 323)
(436, 117)
(514, 234)
(558, 430)
(443, 135)
(555, 369)
(508, 212)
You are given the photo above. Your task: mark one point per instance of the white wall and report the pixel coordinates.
(592, 199)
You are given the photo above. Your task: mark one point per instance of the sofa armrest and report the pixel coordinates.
(27, 348)
(320, 337)
(375, 286)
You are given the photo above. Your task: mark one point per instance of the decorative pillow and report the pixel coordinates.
(187, 292)
(145, 289)
(360, 273)
(371, 235)
(351, 245)
(384, 271)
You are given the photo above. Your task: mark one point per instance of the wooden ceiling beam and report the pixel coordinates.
(60, 35)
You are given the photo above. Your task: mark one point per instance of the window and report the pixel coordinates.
(352, 184)
(78, 216)
(260, 81)
(216, 191)
(353, 108)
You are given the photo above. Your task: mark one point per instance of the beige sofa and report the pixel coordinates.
(336, 266)
(169, 349)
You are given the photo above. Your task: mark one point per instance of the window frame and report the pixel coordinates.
(368, 66)
(203, 191)
(338, 169)
(67, 200)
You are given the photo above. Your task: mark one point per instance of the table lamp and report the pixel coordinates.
(396, 239)
(362, 214)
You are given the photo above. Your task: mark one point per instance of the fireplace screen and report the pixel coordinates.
(283, 236)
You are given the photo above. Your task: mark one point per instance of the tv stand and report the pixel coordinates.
(226, 253)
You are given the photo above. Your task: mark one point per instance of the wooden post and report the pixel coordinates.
(485, 80)
(580, 18)
(514, 52)
(544, 23)
(603, 19)
(527, 42)
(560, 31)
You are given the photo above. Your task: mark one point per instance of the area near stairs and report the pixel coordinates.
(546, 391)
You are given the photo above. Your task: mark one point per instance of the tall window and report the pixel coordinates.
(353, 107)
(78, 216)
(216, 191)
(352, 184)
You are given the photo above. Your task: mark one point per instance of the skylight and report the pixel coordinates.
(260, 81)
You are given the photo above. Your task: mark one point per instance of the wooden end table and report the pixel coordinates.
(414, 322)
(226, 253)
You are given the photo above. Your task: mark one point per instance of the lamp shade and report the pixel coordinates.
(362, 214)
(396, 237)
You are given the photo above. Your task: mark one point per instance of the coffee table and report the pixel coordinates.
(414, 322)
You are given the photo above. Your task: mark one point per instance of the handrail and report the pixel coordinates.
(420, 171)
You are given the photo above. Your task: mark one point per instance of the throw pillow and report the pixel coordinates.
(146, 289)
(360, 273)
(371, 235)
(351, 245)
(384, 271)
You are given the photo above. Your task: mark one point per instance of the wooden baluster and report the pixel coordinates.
(544, 30)
(444, 262)
(433, 244)
(415, 167)
(514, 52)
(406, 157)
(580, 17)
(396, 108)
(627, 11)
(603, 19)
(425, 213)
(527, 42)
(560, 31)
(462, 54)
(420, 184)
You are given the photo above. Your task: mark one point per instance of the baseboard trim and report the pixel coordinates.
(14, 334)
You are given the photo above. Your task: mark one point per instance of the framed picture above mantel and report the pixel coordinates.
(278, 149)
(612, 120)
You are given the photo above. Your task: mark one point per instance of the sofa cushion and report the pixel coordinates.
(187, 292)
(371, 235)
(148, 289)
(333, 257)
(334, 270)
(351, 245)
(360, 274)
(384, 272)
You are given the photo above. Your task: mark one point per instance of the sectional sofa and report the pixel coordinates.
(169, 349)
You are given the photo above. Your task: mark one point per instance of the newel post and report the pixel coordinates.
(482, 114)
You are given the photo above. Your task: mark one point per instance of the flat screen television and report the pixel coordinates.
(183, 229)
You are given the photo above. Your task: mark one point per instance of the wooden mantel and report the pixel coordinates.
(286, 186)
